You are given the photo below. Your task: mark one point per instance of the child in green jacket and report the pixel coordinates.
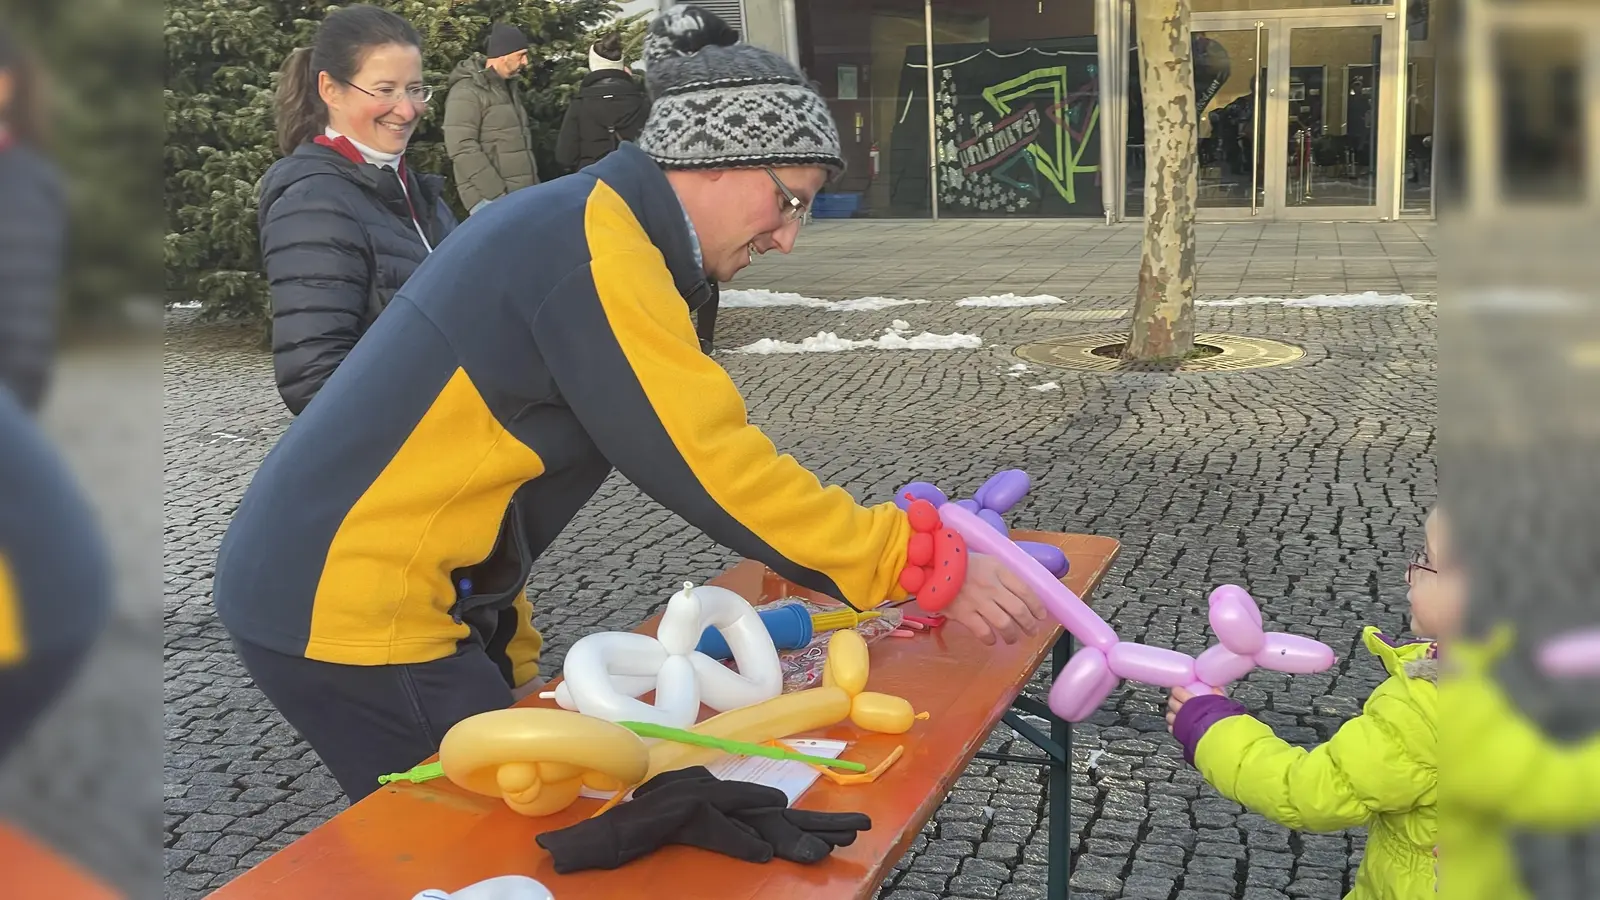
(1379, 770)
(1387, 769)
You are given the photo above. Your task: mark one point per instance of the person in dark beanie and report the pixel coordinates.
(344, 222)
(610, 107)
(485, 123)
(33, 229)
(374, 576)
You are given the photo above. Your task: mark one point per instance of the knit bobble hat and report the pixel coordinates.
(717, 103)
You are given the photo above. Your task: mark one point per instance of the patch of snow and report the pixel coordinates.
(1047, 386)
(893, 338)
(1094, 757)
(187, 304)
(1008, 300)
(1369, 298)
(1017, 370)
(765, 299)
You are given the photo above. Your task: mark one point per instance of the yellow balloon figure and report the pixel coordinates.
(538, 760)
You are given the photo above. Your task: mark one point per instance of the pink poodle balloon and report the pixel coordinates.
(1093, 672)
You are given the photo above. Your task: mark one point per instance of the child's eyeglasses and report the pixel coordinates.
(1420, 564)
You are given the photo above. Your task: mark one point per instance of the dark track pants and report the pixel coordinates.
(367, 721)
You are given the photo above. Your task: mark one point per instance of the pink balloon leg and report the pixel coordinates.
(1082, 685)
(1574, 655)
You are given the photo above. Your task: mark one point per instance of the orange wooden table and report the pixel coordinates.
(405, 837)
(34, 870)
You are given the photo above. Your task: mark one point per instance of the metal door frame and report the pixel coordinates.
(1276, 26)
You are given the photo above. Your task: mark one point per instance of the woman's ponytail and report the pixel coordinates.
(298, 107)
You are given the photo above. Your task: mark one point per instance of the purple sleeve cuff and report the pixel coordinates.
(1198, 715)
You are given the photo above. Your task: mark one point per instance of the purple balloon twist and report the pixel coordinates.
(1003, 491)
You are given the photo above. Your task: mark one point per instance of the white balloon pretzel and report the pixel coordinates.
(605, 673)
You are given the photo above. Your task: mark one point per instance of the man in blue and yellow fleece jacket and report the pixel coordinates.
(373, 576)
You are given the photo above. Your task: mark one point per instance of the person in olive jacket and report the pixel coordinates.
(33, 227)
(344, 222)
(610, 108)
(486, 125)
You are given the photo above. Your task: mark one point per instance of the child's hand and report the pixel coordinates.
(1175, 702)
(1179, 697)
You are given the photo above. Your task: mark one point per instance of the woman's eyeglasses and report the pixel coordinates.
(1419, 564)
(392, 96)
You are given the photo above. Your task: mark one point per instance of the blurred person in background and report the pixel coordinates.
(344, 222)
(610, 108)
(33, 226)
(485, 123)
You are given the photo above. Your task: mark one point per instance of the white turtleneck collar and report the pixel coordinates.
(378, 158)
(384, 161)
(598, 62)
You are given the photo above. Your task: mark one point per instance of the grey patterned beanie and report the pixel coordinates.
(717, 103)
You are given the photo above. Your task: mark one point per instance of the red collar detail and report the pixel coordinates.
(345, 148)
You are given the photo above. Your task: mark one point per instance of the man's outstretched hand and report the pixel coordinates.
(994, 602)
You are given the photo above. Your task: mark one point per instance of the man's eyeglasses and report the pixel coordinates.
(1419, 564)
(392, 96)
(793, 209)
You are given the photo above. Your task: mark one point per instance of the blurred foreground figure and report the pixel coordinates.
(32, 234)
(54, 598)
(54, 569)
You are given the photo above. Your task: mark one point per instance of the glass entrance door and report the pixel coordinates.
(1297, 120)
(1336, 131)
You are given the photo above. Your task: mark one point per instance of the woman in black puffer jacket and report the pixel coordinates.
(610, 108)
(343, 221)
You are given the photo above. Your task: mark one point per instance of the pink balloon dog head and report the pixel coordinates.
(1105, 660)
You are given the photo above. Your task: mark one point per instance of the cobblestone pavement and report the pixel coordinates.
(1307, 484)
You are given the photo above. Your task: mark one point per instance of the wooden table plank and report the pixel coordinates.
(408, 837)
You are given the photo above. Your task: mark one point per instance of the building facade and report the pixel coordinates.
(1310, 109)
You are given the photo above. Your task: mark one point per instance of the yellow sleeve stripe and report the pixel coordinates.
(697, 404)
(13, 644)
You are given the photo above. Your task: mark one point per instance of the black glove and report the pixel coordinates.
(691, 806)
(798, 835)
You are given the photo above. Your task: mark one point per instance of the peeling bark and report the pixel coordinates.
(1163, 314)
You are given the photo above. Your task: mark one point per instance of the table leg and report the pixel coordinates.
(1057, 747)
(1060, 794)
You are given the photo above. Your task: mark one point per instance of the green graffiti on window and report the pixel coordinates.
(1057, 152)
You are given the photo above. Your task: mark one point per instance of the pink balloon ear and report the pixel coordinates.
(1083, 684)
(1294, 654)
(1235, 619)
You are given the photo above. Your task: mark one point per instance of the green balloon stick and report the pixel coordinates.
(737, 748)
